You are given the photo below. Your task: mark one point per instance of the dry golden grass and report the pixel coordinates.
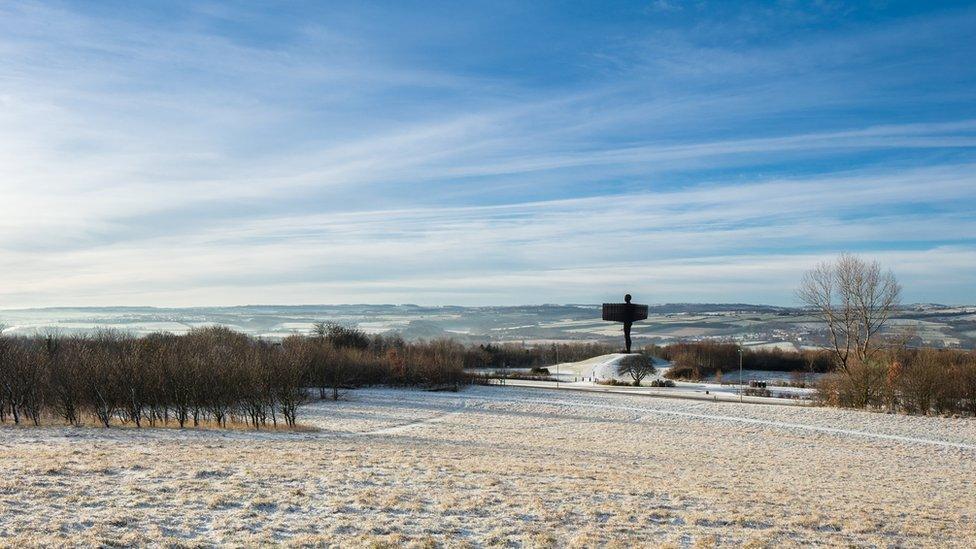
(498, 467)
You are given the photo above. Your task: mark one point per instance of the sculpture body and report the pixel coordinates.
(627, 313)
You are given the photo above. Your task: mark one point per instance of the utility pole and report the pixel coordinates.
(555, 350)
(740, 373)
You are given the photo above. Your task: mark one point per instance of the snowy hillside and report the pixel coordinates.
(609, 367)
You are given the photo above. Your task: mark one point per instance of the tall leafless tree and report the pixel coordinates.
(855, 299)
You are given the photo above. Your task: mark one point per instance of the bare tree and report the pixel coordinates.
(638, 366)
(6, 375)
(65, 380)
(317, 356)
(854, 298)
(288, 378)
(99, 365)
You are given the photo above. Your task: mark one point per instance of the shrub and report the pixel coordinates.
(612, 382)
(916, 381)
(662, 383)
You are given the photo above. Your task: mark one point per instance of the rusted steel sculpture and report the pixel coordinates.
(627, 312)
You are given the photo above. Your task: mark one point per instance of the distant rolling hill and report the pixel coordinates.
(783, 327)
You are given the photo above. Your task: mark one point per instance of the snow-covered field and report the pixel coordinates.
(587, 373)
(502, 466)
(780, 376)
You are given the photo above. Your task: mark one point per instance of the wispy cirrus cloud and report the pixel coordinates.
(215, 155)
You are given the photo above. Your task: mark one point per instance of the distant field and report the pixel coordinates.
(787, 328)
(502, 466)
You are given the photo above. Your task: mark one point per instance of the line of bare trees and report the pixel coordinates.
(336, 357)
(218, 376)
(512, 355)
(210, 375)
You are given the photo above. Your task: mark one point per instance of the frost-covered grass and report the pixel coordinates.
(502, 466)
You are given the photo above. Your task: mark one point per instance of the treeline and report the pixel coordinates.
(897, 378)
(346, 356)
(215, 375)
(511, 355)
(210, 375)
(915, 381)
(695, 360)
(336, 357)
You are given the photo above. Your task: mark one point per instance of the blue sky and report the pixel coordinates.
(481, 153)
